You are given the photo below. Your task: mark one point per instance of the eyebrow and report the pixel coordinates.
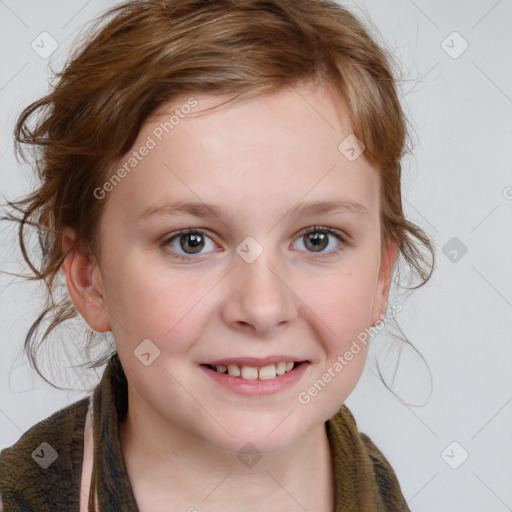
(202, 210)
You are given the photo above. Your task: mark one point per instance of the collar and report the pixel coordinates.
(109, 477)
(359, 467)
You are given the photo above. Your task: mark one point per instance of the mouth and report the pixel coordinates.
(251, 376)
(253, 372)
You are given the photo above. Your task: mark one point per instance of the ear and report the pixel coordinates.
(380, 302)
(84, 282)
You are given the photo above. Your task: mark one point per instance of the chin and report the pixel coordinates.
(271, 434)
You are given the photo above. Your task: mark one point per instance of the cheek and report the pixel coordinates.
(343, 319)
(146, 303)
(344, 301)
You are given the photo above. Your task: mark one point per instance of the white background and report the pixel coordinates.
(455, 185)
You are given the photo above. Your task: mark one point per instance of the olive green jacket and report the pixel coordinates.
(42, 471)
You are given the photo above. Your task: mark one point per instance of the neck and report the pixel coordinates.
(172, 466)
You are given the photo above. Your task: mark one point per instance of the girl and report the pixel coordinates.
(220, 187)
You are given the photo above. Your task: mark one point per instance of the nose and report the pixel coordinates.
(258, 297)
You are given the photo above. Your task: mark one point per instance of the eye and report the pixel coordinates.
(190, 241)
(317, 239)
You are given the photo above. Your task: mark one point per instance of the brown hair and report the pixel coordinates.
(144, 53)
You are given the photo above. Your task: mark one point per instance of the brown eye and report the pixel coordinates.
(194, 241)
(189, 242)
(316, 241)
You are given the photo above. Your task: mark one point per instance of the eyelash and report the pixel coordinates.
(314, 229)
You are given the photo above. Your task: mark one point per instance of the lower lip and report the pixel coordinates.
(257, 387)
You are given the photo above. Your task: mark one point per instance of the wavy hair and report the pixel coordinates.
(141, 54)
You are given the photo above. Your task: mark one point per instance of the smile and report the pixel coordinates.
(255, 379)
(270, 371)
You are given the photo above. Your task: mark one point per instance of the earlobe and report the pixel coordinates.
(380, 303)
(84, 284)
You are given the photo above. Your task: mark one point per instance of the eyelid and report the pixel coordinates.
(342, 238)
(175, 234)
(332, 231)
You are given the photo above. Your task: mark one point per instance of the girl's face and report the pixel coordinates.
(269, 273)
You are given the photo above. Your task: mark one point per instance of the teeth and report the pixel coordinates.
(280, 368)
(234, 370)
(267, 372)
(251, 373)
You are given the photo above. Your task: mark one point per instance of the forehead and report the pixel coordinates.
(277, 148)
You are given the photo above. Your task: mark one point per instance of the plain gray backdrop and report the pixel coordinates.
(450, 443)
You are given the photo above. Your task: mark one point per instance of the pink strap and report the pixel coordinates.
(85, 484)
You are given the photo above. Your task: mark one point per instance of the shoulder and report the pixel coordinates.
(343, 426)
(385, 476)
(45, 462)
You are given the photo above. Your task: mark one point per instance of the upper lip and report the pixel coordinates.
(256, 362)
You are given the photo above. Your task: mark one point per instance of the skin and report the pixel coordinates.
(257, 159)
